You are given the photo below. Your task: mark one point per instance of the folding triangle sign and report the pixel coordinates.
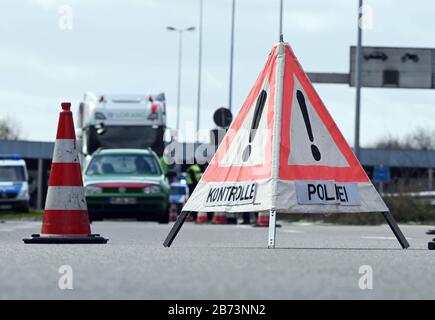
(284, 153)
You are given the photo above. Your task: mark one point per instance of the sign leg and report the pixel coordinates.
(175, 228)
(395, 228)
(272, 229)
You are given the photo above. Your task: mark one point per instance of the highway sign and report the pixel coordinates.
(392, 67)
(381, 174)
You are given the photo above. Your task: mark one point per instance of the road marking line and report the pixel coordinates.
(302, 224)
(243, 226)
(381, 238)
(292, 231)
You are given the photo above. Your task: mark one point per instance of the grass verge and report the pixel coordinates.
(31, 215)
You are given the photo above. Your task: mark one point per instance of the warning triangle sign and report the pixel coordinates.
(284, 152)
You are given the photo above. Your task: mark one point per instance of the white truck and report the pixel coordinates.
(122, 121)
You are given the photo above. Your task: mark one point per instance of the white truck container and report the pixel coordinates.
(122, 121)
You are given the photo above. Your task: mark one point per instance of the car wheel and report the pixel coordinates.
(94, 217)
(22, 208)
(164, 217)
(141, 218)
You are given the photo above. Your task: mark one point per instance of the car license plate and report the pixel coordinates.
(122, 200)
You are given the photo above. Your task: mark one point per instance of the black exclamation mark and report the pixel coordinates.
(255, 122)
(301, 99)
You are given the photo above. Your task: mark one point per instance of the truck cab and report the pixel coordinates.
(122, 121)
(14, 187)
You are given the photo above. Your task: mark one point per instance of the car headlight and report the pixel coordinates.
(24, 192)
(100, 116)
(90, 190)
(151, 189)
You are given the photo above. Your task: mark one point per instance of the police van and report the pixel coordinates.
(14, 188)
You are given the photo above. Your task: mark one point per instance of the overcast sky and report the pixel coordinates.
(124, 47)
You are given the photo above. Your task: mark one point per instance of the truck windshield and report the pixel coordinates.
(128, 137)
(124, 164)
(12, 173)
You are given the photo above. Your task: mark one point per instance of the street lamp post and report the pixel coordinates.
(280, 20)
(358, 64)
(198, 103)
(230, 93)
(180, 48)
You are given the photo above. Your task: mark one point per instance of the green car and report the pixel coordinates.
(126, 183)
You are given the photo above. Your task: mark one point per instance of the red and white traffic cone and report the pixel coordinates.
(219, 218)
(66, 217)
(263, 219)
(202, 217)
(173, 212)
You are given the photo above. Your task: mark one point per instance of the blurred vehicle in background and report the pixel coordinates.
(179, 193)
(232, 217)
(122, 121)
(14, 186)
(126, 183)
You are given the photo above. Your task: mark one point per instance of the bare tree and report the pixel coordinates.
(9, 129)
(419, 139)
(410, 178)
(390, 142)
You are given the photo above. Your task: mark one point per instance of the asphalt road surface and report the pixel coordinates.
(219, 262)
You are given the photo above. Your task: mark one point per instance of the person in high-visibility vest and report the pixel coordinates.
(193, 175)
(164, 165)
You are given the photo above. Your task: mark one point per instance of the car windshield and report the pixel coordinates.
(12, 173)
(124, 164)
(178, 190)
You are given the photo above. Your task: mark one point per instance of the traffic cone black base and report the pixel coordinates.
(431, 245)
(91, 239)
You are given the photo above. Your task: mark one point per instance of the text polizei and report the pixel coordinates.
(327, 192)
